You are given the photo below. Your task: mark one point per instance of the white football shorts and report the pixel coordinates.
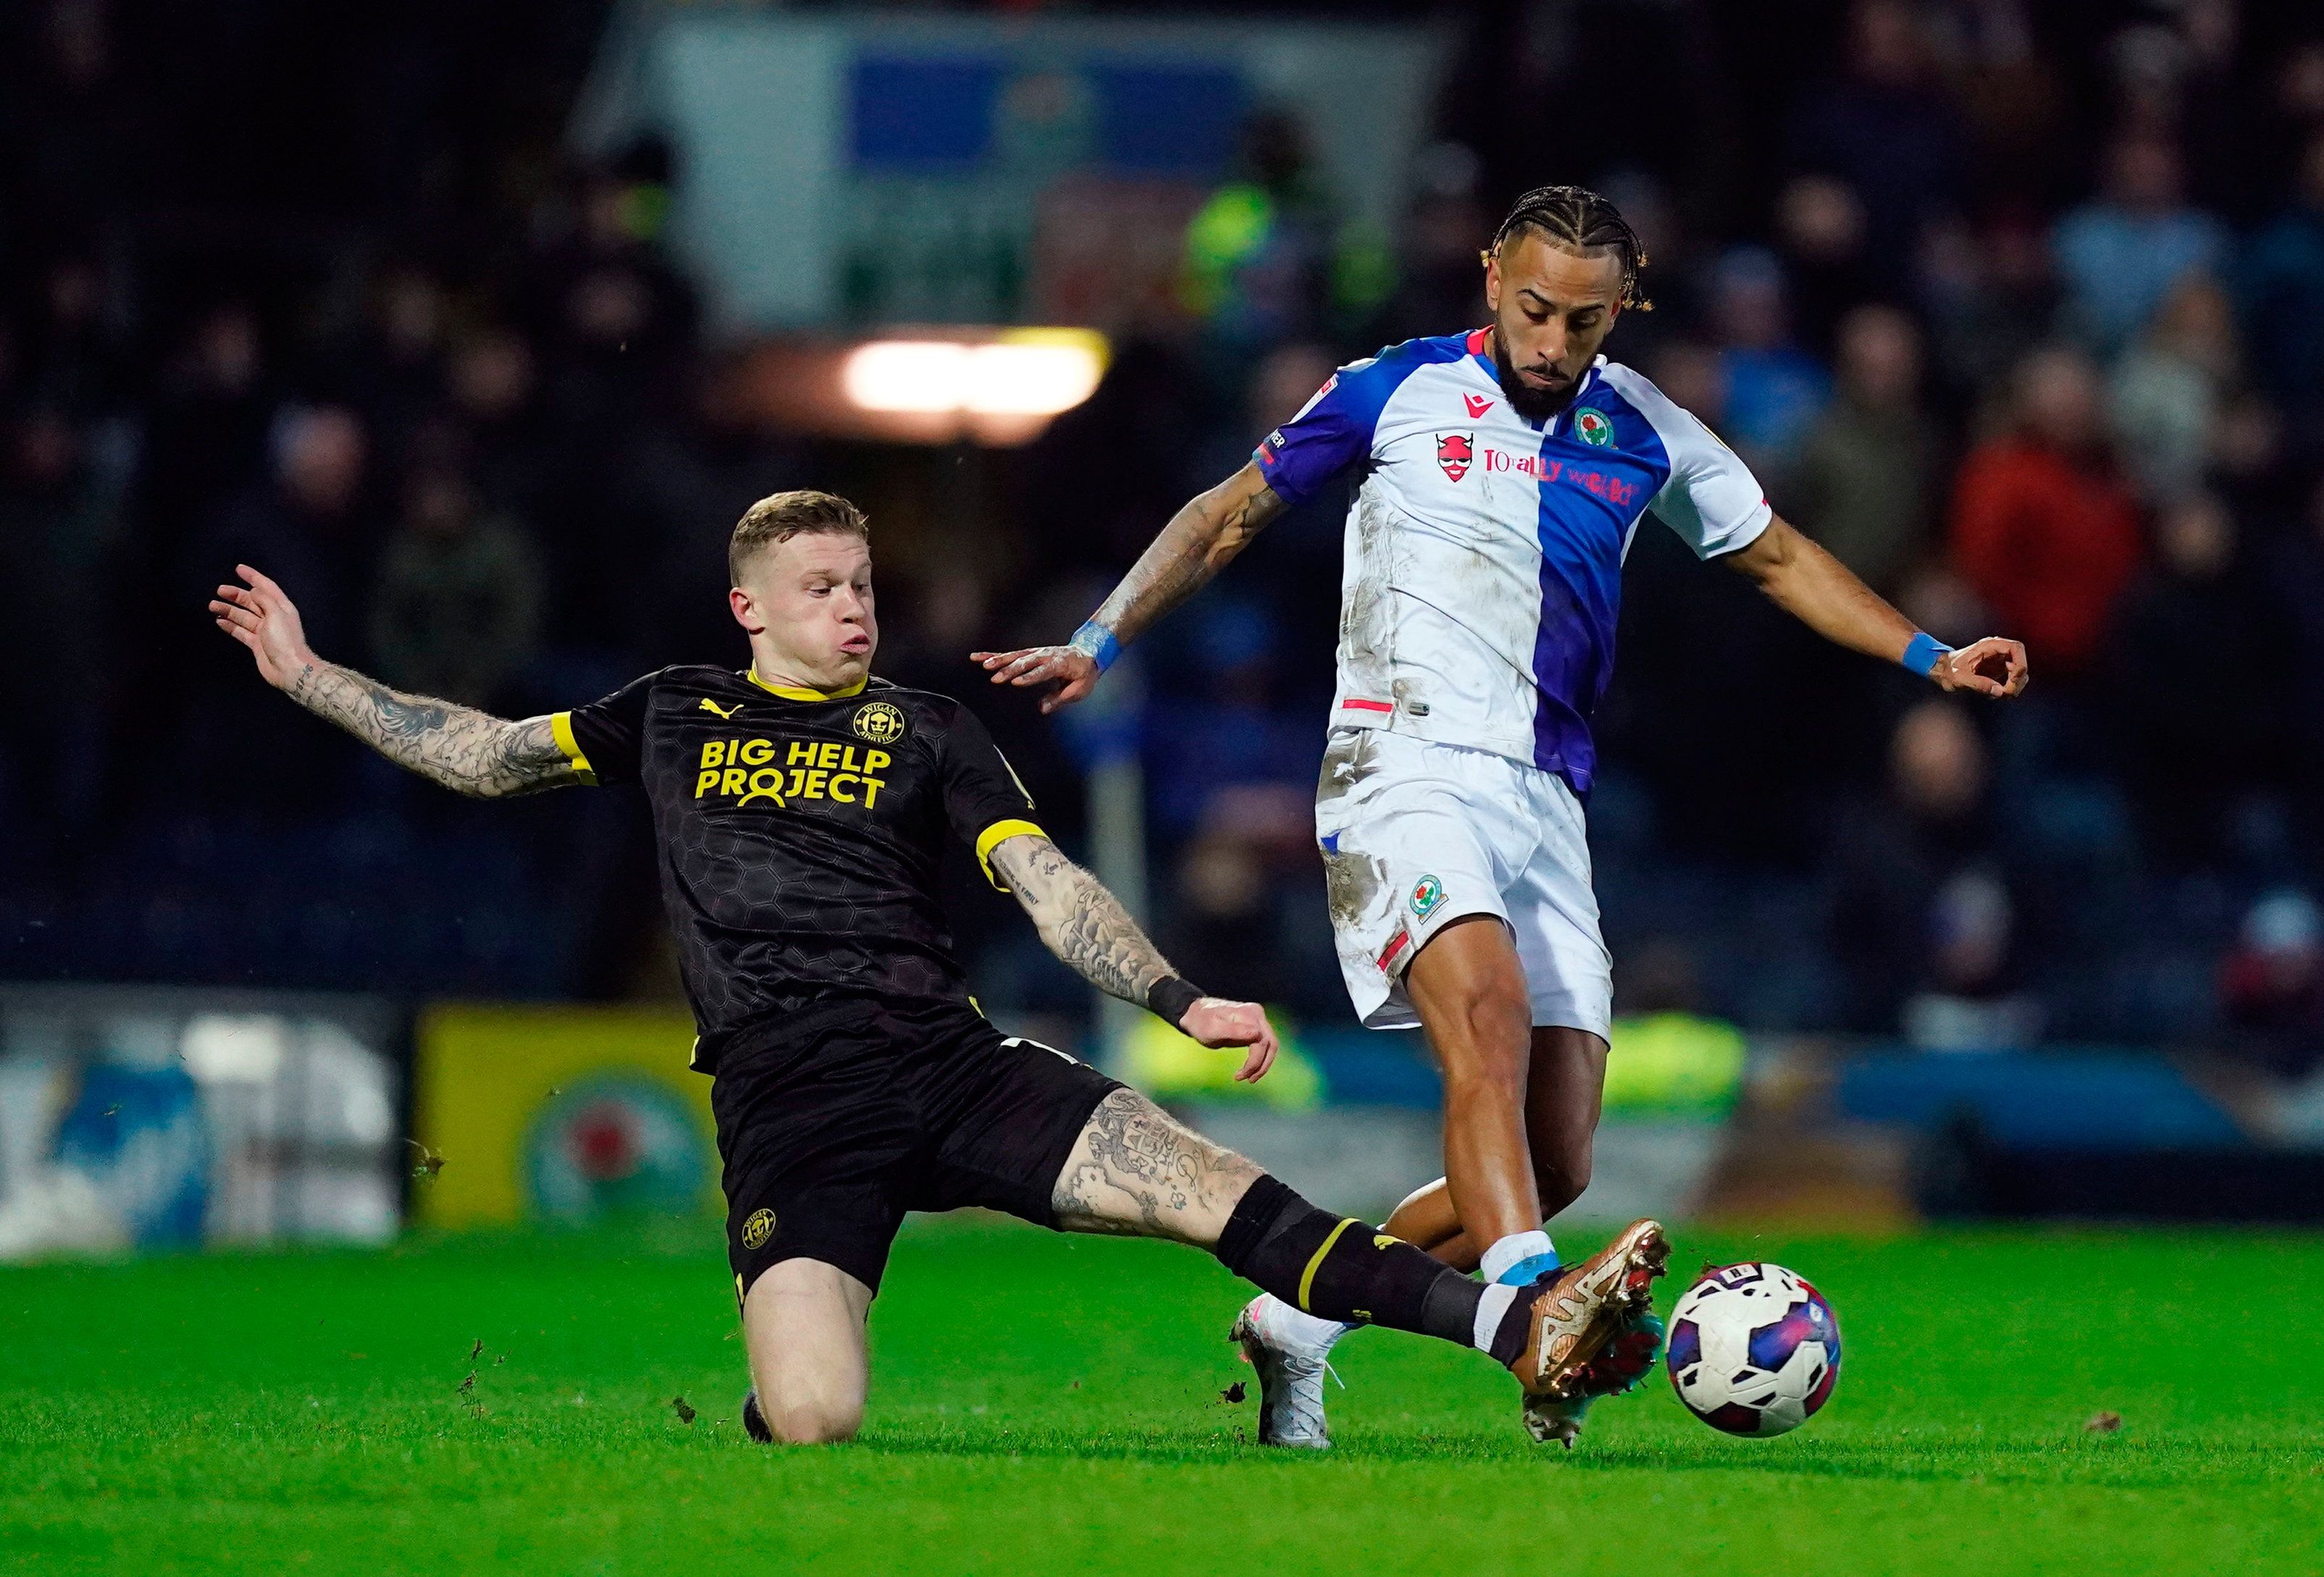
(1415, 834)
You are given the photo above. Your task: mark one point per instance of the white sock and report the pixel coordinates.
(1491, 1308)
(1299, 1326)
(1515, 1250)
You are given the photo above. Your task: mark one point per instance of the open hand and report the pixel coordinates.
(262, 618)
(1961, 670)
(1072, 670)
(1216, 1022)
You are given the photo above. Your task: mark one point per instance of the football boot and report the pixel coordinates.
(1290, 1377)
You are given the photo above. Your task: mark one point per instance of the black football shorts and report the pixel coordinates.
(835, 1121)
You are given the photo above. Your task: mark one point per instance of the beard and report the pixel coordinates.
(1535, 405)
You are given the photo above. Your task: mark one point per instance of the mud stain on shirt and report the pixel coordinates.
(1367, 614)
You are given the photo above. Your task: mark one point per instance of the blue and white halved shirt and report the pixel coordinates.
(1484, 553)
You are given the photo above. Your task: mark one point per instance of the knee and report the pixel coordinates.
(1483, 1081)
(1561, 1175)
(812, 1407)
(820, 1421)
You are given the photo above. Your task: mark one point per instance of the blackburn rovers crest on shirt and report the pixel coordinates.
(802, 832)
(1484, 552)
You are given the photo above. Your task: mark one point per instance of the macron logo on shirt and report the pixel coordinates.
(1477, 404)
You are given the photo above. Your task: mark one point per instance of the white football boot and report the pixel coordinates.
(1291, 1367)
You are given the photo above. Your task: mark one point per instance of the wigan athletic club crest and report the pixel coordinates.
(1593, 428)
(878, 722)
(1456, 452)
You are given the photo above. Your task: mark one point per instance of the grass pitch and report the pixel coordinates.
(1044, 1404)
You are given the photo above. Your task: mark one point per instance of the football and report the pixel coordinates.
(1754, 1349)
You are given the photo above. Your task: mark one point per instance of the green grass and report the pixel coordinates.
(1044, 1404)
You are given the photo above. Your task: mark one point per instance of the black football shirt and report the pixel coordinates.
(801, 833)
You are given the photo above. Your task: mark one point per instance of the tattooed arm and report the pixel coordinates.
(1200, 540)
(467, 751)
(1079, 920)
(1085, 925)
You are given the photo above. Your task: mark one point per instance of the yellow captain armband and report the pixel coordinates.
(560, 725)
(992, 838)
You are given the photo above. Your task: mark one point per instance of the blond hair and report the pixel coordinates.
(780, 516)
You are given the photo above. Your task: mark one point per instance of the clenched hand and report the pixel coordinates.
(1961, 670)
(1216, 1022)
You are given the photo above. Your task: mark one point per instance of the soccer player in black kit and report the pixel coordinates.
(801, 806)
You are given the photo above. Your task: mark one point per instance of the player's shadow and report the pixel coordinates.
(2113, 1463)
(2110, 1463)
(1228, 1440)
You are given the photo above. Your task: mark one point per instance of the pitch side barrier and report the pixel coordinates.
(138, 1118)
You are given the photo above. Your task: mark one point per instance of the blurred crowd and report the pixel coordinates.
(2021, 316)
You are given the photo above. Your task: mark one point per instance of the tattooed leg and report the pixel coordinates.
(1136, 1173)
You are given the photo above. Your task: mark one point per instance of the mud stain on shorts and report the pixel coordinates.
(1353, 881)
(1353, 884)
(1349, 757)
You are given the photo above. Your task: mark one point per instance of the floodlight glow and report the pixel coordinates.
(1031, 379)
(921, 375)
(1028, 374)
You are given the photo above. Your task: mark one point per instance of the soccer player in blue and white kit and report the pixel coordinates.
(1498, 476)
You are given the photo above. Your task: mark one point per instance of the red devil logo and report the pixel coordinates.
(1455, 451)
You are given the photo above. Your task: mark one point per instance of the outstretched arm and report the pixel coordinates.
(1823, 594)
(1206, 533)
(1085, 925)
(467, 751)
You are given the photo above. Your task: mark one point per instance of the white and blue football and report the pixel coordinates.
(1754, 1349)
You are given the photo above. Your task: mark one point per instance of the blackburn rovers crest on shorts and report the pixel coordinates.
(1592, 428)
(1428, 897)
(879, 721)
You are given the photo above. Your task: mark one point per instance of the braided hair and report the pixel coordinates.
(1577, 218)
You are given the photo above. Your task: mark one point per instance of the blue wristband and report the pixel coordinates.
(1099, 642)
(1922, 652)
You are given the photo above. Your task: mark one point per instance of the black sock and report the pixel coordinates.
(1517, 1324)
(1337, 1268)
